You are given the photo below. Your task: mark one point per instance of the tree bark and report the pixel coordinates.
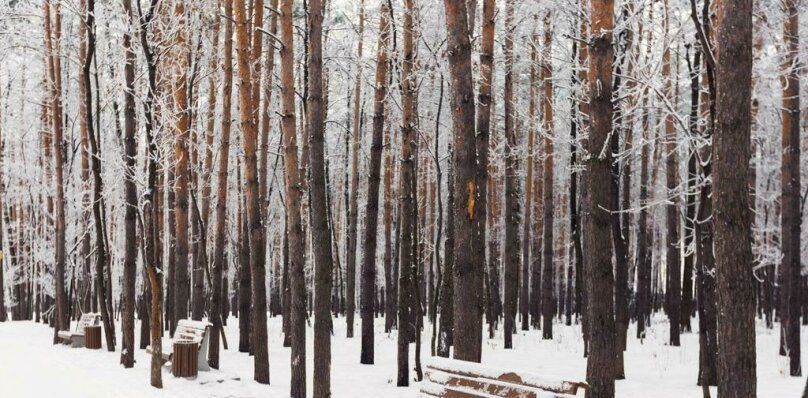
(468, 267)
(321, 231)
(596, 199)
(294, 229)
(790, 280)
(548, 279)
(374, 175)
(510, 248)
(249, 128)
(409, 181)
(219, 264)
(130, 193)
(353, 210)
(733, 250)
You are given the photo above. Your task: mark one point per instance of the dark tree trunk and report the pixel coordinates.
(130, 193)
(791, 217)
(510, 246)
(321, 230)
(374, 176)
(548, 266)
(731, 218)
(353, 209)
(596, 198)
(408, 180)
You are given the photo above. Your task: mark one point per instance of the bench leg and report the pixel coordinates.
(77, 341)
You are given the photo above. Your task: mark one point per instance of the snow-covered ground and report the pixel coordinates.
(30, 366)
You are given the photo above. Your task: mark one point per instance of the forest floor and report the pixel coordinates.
(30, 366)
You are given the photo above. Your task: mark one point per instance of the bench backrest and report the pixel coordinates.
(88, 319)
(448, 377)
(191, 330)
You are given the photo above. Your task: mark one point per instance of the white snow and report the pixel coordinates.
(30, 366)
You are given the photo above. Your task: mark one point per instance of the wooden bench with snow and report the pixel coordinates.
(76, 338)
(448, 378)
(197, 331)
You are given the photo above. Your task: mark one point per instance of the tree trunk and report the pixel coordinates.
(732, 220)
(321, 231)
(468, 263)
(597, 198)
(790, 280)
(548, 279)
(374, 174)
(510, 247)
(249, 127)
(409, 181)
(53, 36)
(219, 265)
(673, 264)
(294, 229)
(182, 283)
(350, 262)
(98, 203)
(130, 218)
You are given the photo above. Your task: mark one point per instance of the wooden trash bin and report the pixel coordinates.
(184, 358)
(92, 337)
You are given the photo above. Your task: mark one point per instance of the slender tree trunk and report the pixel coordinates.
(130, 217)
(673, 279)
(524, 291)
(98, 203)
(249, 127)
(321, 231)
(372, 209)
(53, 34)
(181, 169)
(597, 198)
(350, 262)
(510, 247)
(790, 280)
(548, 279)
(219, 264)
(294, 229)
(409, 181)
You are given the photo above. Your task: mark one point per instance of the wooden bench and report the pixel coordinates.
(188, 330)
(76, 338)
(448, 378)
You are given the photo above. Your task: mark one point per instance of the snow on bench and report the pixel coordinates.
(448, 378)
(188, 330)
(76, 338)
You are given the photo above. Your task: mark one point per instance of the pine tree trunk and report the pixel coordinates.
(596, 198)
(249, 127)
(374, 173)
(408, 180)
(98, 203)
(53, 33)
(548, 278)
(321, 231)
(350, 262)
(130, 194)
(468, 264)
(219, 264)
(510, 247)
(672, 250)
(790, 280)
(182, 283)
(297, 325)
(731, 218)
